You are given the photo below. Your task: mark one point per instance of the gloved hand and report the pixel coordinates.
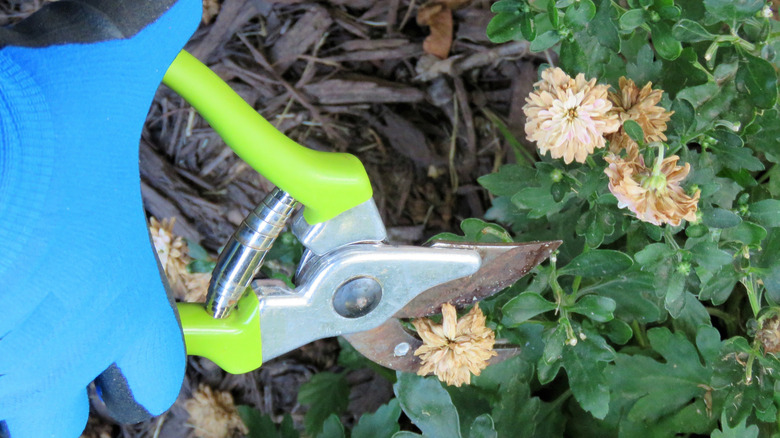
(80, 291)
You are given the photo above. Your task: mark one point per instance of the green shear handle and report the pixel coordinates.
(326, 183)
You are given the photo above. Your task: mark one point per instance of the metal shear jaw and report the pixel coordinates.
(351, 283)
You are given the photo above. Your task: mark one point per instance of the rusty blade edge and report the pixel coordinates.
(498, 271)
(384, 345)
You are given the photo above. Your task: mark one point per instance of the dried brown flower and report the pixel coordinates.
(569, 117)
(455, 349)
(210, 10)
(173, 254)
(213, 414)
(769, 335)
(96, 428)
(640, 106)
(653, 194)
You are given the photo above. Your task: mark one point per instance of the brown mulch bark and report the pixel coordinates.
(338, 75)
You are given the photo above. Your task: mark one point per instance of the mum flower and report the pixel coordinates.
(455, 349)
(653, 194)
(174, 257)
(569, 117)
(641, 106)
(213, 414)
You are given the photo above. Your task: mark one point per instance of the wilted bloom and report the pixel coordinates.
(173, 253)
(455, 349)
(569, 117)
(653, 194)
(769, 335)
(213, 414)
(641, 106)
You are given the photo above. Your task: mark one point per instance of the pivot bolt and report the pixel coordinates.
(357, 297)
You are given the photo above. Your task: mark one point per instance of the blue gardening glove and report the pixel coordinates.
(81, 292)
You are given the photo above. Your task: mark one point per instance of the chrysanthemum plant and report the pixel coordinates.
(655, 143)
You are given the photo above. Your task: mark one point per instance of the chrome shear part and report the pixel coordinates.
(243, 255)
(391, 345)
(354, 288)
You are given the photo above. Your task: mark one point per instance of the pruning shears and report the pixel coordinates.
(349, 281)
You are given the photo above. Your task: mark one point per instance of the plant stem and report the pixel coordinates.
(576, 285)
(749, 283)
(639, 332)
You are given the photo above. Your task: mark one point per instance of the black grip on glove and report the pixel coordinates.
(83, 21)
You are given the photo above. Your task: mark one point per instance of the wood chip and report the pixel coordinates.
(403, 52)
(232, 15)
(405, 138)
(362, 89)
(307, 30)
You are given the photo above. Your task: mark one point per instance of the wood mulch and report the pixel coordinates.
(338, 75)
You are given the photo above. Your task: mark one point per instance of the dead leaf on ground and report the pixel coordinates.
(438, 16)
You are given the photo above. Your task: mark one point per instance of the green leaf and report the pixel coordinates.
(603, 28)
(516, 412)
(766, 212)
(634, 131)
(506, 26)
(719, 286)
(545, 41)
(381, 424)
(646, 68)
(746, 232)
(719, 218)
(618, 331)
(509, 179)
(259, 425)
(552, 15)
(507, 6)
(332, 428)
(406, 434)
(630, 292)
(674, 299)
(477, 230)
(708, 255)
(579, 14)
(524, 307)
(428, 405)
(597, 263)
(287, 428)
(741, 430)
(200, 266)
(538, 200)
(196, 251)
(632, 19)
(661, 389)
(666, 45)
(758, 79)
(483, 427)
(696, 230)
(599, 309)
(326, 393)
(585, 364)
(732, 11)
(689, 31)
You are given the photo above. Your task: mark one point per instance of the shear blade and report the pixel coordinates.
(392, 346)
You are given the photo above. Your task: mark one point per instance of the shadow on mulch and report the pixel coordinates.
(339, 75)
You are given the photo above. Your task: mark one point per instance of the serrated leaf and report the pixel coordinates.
(741, 430)
(538, 200)
(259, 425)
(766, 212)
(674, 299)
(515, 413)
(661, 388)
(708, 255)
(545, 41)
(332, 428)
(325, 394)
(597, 263)
(599, 309)
(585, 364)
(524, 307)
(381, 424)
(428, 405)
(689, 31)
(483, 427)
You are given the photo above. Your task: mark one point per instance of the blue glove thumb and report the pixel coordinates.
(81, 292)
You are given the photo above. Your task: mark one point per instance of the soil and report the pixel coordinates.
(339, 75)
